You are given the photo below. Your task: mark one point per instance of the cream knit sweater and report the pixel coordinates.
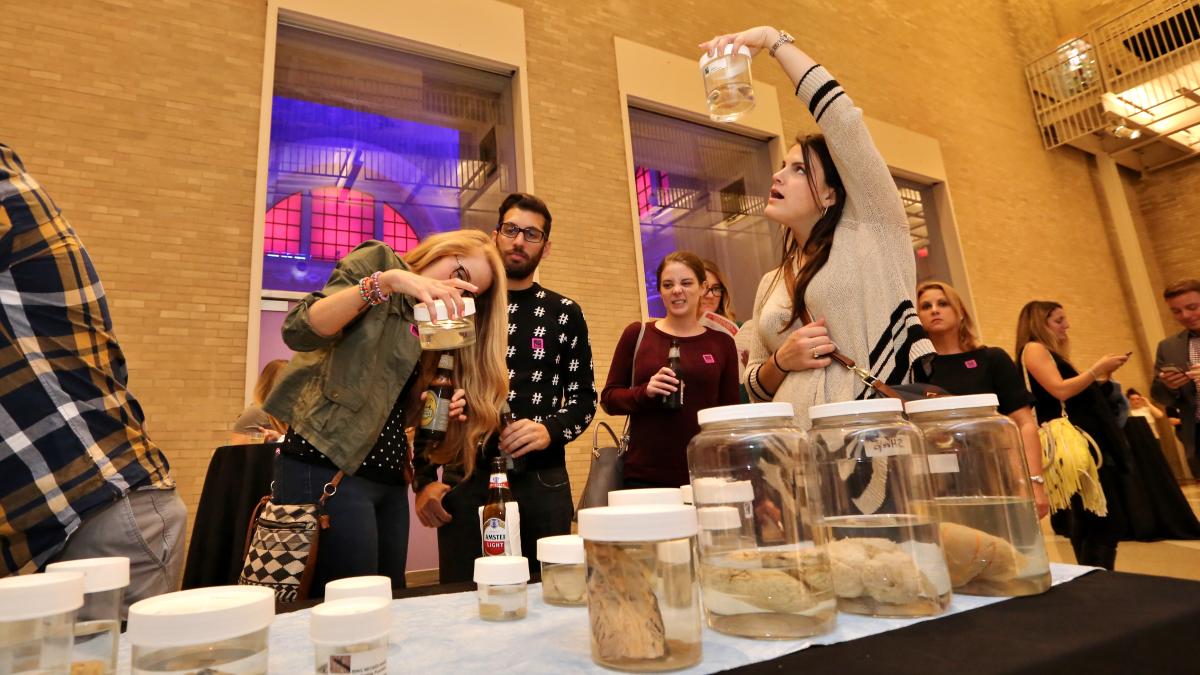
(865, 290)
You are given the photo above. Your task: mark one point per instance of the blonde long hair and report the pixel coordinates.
(266, 382)
(968, 337)
(1033, 326)
(479, 369)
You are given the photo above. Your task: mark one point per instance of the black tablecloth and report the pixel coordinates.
(1104, 622)
(238, 476)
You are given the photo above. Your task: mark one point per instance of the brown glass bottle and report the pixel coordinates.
(435, 413)
(674, 400)
(495, 516)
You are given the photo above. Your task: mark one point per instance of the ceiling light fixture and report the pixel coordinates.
(1122, 131)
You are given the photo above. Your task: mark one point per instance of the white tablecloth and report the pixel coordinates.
(444, 634)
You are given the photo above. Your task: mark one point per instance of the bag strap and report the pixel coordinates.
(863, 374)
(623, 442)
(596, 439)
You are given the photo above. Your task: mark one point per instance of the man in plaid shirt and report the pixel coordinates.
(79, 478)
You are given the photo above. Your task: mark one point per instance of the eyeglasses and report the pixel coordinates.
(511, 230)
(716, 291)
(462, 273)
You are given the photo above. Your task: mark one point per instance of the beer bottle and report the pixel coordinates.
(495, 523)
(435, 413)
(674, 401)
(507, 418)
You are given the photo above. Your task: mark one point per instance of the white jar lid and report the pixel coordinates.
(565, 548)
(32, 596)
(99, 574)
(865, 407)
(719, 518)
(421, 311)
(644, 522)
(721, 491)
(200, 615)
(359, 587)
(645, 496)
(350, 620)
(952, 403)
(685, 491)
(746, 411)
(501, 569)
(706, 57)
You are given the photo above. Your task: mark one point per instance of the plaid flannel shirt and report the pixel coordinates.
(71, 435)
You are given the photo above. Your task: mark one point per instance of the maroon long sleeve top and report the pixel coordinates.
(659, 437)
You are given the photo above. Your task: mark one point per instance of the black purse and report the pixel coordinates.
(606, 472)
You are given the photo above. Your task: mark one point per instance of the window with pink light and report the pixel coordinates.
(283, 226)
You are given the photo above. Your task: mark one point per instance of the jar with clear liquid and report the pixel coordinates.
(982, 496)
(221, 629)
(37, 619)
(764, 570)
(643, 601)
(351, 635)
(727, 84)
(564, 577)
(98, 622)
(438, 331)
(502, 582)
(884, 546)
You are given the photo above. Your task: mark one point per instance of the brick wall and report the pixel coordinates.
(143, 123)
(1169, 202)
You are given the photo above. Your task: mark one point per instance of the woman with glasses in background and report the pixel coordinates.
(356, 382)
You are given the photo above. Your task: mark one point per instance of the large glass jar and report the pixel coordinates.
(764, 572)
(98, 622)
(643, 603)
(37, 620)
(884, 546)
(351, 635)
(982, 496)
(222, 629)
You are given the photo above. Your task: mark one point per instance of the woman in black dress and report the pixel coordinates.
(964, 366)
(1042, 349)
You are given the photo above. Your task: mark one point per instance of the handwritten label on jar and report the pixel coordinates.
(887, 446)
(943, 463)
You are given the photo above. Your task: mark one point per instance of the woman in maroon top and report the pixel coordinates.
(658, 437)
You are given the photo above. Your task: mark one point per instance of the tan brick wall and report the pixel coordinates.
(141, 119)
(144, 125)
(1169, 202)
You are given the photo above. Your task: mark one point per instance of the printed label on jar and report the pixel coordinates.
(887, 446)
(435, 414)
(946, 462)
(370, 662)
(495, 537)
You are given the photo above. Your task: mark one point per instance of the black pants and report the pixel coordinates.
(368, 530)
(544, 497)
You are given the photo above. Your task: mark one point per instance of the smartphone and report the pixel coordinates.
(1173, 369)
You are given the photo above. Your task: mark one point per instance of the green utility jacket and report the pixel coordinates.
(338, 390)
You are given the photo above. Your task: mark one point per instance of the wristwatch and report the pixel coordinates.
(784, 38)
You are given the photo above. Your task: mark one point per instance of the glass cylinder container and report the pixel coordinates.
(982, 497)
(884, 546)
(645, 496)
(37, 619)
(439, 332)
(98, 622)
(221, 629)
(643, 602)
(503, 582)
(564, 576)
(727, 84)
(764, 571)
(359, 587)
(351, 635)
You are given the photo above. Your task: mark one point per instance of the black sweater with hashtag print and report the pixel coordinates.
(549, 369)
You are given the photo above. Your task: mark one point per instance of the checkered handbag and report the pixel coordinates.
(282, 543)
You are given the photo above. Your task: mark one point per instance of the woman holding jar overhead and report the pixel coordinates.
(965, 366)
(845, 282)
(1043, 349)
(356, 382)
(658, 432)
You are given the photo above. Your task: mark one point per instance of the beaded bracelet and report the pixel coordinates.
(377, 293)
(364, 289)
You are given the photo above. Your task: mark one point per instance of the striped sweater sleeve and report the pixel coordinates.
(871, 192)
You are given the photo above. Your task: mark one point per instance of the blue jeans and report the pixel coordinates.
(368, 522)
